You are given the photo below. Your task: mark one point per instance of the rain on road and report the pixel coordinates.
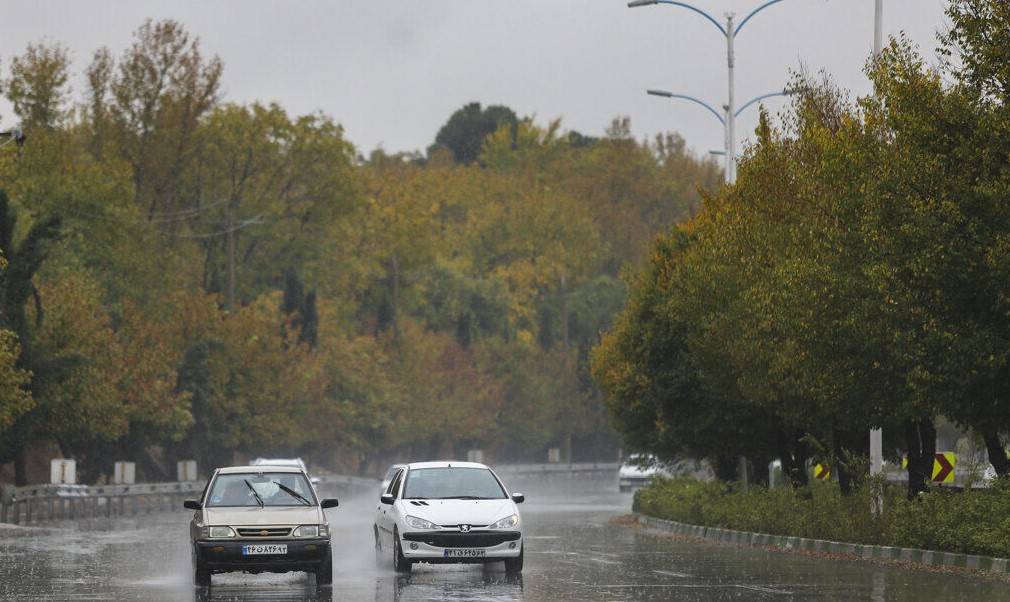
(573, 552)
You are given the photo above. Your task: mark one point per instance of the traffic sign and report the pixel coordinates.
(822, 472)
(943, 467)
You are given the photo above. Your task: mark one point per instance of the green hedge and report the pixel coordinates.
(972, 522)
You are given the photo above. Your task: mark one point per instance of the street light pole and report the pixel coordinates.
(728, 120)
(730, 32)
(878, 28)
(730, 107)
(877, 435)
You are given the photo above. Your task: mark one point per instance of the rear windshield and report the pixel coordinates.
(453, 483)
(261, 489)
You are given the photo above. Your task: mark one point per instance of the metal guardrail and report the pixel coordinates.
(559, 468)
(40, 503)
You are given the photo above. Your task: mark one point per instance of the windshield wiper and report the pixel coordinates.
(253, 489)
(464, 497)
(293, 493)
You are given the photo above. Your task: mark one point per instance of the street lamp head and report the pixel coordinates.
(662, 93)
(635, 3)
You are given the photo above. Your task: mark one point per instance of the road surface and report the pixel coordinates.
(574, 552)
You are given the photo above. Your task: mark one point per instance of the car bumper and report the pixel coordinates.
(222, 556)
(633, 482)
(437, 547)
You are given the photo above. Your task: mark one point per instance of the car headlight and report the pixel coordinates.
(309, 531)
(221, 532)
(509, 522)
(419, 523)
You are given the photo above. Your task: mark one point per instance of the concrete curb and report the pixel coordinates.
(868, 552)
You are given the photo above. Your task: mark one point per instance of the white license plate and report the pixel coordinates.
(272, 548)
(464, 553)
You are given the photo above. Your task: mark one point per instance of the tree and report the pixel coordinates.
(464, 133)
(37, 86)
(147, 107)
(271, 188)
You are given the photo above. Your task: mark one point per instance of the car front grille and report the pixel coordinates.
(265, 532)
(473, 539)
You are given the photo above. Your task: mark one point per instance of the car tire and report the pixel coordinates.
(324, 574)
(201, 574)
(400, 563)
(514, 565)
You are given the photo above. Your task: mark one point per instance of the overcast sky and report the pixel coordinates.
(391, 71)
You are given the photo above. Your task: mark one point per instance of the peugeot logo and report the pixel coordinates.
(464, 528)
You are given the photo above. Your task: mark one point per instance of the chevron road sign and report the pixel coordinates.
(943, 467)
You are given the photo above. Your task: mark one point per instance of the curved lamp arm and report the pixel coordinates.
(666, 94)
(712, 19)
(752, 13)
(762, 97)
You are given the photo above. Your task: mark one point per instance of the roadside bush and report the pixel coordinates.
(972, 522)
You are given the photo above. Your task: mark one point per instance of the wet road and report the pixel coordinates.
(573, 553)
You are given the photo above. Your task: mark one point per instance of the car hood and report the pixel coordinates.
(283, 515)
(459, 512)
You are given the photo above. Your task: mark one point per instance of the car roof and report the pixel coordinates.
(255, 469)
(445, 464)
(277, 462)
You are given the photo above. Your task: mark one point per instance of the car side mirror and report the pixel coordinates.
(518, 498)
(191, 504)
(387, 498)
(330, 502)
(315, 480)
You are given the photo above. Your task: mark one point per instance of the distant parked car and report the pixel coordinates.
(260, 519)
(638, 470)
(297, 462)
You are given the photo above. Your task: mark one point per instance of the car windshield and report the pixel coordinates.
(452, 483)
(261, 489)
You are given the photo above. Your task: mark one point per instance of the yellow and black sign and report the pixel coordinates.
(943, 467)
(822, 472)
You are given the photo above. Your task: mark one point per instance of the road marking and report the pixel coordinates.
(767, 590)
(605, 562)
(673, 574)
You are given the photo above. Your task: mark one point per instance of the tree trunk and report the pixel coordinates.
(21, 466)
(997, 455)
(920, 436)
(839, 466)
(725, 468)
(793, 455)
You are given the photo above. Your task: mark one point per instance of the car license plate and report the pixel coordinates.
(464, 553)
(272, 548)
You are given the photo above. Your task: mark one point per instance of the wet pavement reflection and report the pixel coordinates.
(572, 553)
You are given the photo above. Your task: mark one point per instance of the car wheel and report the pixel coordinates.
(201, 574)
(514, 565)
(324, 574)
(400, 564)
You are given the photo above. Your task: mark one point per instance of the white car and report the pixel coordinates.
(638, 470)
(448, 512)
(260, 519)
(296, 462)
(387, 478)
